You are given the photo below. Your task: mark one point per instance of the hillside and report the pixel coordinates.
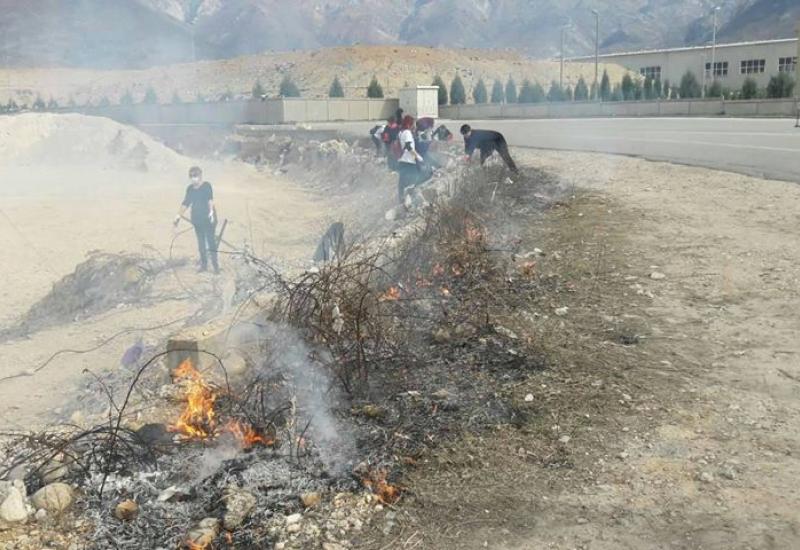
(313, 71)
(144, 33)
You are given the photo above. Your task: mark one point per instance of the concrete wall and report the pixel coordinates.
(675, 62)
(273, 111)
(708, 107)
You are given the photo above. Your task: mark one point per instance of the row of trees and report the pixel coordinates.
(629, 89)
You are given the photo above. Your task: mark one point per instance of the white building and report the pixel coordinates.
(733, 63)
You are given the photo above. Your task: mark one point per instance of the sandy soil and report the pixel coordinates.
(52, 214)
(688, 439)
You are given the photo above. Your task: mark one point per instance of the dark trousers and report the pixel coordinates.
(409, 176)
(206, 243)
(502, 149)
(378, 145)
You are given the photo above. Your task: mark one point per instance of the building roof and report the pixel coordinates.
(687, 48)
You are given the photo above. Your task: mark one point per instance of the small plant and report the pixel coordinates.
(605, 87)
(715, 90)
(628, 88)
(39, 104)
(581, 90)
(555, 93)
(749, 89)
(780, 86)
(689, 87)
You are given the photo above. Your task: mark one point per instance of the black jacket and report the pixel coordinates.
(483, 140)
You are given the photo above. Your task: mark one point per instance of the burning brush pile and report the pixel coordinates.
(356, 370)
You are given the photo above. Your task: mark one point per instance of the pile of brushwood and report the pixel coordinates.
(365, 364)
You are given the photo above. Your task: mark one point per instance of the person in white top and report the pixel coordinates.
(409, 173)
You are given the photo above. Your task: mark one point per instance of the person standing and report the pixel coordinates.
(407, 164)
(487, 142)
(200, 198)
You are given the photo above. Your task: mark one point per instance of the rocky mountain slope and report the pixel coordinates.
(143, 33)
(313, 71)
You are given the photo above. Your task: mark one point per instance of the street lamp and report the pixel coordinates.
(596, 53)
(714, 47)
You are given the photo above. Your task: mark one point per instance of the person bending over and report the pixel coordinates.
(200, 198)
(487, 142)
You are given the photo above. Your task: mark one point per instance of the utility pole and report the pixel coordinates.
(561, 74)
(596, 54)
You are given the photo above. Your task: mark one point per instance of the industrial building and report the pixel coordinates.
(733, 63)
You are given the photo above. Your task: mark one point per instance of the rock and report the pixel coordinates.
(238, 506)
(127, 510)
(235, 364)
(13, 509)
(728, 473)
(203, 534)
(391, 215)
(294, 518)
(657, 276)
(40, 516)
(310, 500)
(441, 394)
(332, 546)
(582, 521)
(561, 311)
(441, 336)
(705, 477)
(622, 456)
(529, 398)
(54, 498)
(293, 528)
(54, 470)
(373, 411)
(564, 439)
(503, 331)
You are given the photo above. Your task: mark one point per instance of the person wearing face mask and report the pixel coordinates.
(200, 198)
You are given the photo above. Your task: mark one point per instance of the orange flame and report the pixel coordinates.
(197, 421)
(386, 492)
(390, 295)
(246, 435)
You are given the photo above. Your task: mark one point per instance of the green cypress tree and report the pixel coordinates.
(715, 90)
(458, 95)
(336, 89)
(150, 96)
(511, 91)
(498, 96)
(689, 87)
(525, 92)
(666, 89)
(374, 90)
(39, 104)
(52, 105)
(258, 90)
(443, 97)
(780, 86)
(480, 95)
(127, 98)
(749, 89)
(555, 93)
(657, 89)
(288, 88)
(628, 88)
(581, 90)
(538, 94)
(605, 87)
(648, 88)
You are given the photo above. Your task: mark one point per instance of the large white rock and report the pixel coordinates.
(13, 508)
(54, 498)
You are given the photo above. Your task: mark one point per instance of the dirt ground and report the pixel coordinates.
(669, 416)
(54, 213)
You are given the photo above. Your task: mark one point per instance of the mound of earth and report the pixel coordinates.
(102, 282)
(78, 140)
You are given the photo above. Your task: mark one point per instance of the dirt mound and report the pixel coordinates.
(69, 139)
(102, 282)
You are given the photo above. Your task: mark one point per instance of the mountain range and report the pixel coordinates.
(144, 33)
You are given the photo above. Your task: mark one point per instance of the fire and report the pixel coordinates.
(198, 419)
(386, 492)
(390, 295)
(457, 270)
(246, 434)
(528, 268)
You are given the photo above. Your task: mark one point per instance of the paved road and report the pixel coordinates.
(762, 147)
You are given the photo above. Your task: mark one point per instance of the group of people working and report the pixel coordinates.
(406, 145)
